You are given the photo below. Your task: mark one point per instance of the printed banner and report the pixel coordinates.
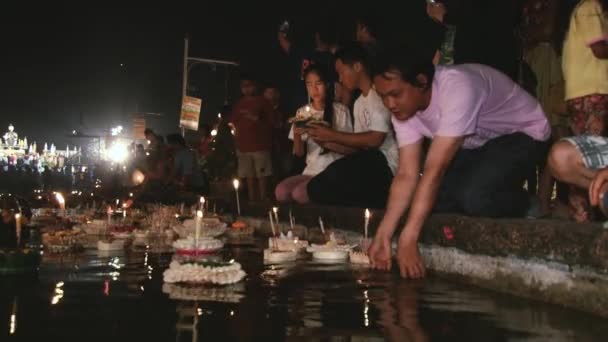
(191, 110)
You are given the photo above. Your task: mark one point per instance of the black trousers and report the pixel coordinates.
(362, 179)
(488, 181)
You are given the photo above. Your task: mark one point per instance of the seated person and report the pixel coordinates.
(185, 171)
(323, 107)
(487, 133)
(363, 177)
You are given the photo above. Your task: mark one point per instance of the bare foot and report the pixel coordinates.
(580, 208)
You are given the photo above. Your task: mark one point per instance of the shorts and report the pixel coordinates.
(254, 164)
(593, 149)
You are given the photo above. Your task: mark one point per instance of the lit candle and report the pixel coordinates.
(109, 212)
(124, 211)
(18, 228)
(367, 216)
(292, 221)
(61, 202)
(238, 203)
(197, 229)
(202, 202)
(275, 210)
(321, 225)
(117, 202)
(274, 233)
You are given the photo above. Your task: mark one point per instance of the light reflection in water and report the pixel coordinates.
(58, 293)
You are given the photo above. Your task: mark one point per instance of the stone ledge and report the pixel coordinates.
(569, 243)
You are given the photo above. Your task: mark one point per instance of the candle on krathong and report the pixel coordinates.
(238, 203)
(275, 210)
(202, 203)
(292, 220)
(367, 216)
(197, 229)
(61, 202)
(109, 212)
(274, 233)
(321, 225)
(18, 228)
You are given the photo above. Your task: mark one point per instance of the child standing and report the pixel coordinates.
(253, 122)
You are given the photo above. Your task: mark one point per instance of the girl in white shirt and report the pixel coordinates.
(322, 107)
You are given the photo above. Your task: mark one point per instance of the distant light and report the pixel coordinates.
(213, 132)
(138, 177)
(118, 152)
(74, 132)
(122, 65)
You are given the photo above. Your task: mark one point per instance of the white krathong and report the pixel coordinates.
(204, 273)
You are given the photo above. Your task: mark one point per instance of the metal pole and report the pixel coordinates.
(184, 79)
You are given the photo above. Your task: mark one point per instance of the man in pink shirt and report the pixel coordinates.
(487, 134)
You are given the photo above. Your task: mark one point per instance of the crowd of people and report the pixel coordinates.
(416, 127)
(391, 125)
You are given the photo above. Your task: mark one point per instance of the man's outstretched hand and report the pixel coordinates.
(408, 257)
(380, 253)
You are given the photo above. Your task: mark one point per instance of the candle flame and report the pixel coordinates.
(60, 198)
(202, 199)
(17, 216)
(275, 210)
(199, 214)
(236, 184)
(367, 213)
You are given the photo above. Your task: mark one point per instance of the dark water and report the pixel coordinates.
(89, 297)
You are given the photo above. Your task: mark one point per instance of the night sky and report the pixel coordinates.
(62, 63)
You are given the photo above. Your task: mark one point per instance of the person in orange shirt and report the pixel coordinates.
(253, 120)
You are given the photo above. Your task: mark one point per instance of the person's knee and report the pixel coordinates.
(282, 193)
(562, 160)
(300, 194)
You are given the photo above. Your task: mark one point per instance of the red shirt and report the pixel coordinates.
(253, 120)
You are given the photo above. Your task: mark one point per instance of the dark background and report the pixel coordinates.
(60, 65)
